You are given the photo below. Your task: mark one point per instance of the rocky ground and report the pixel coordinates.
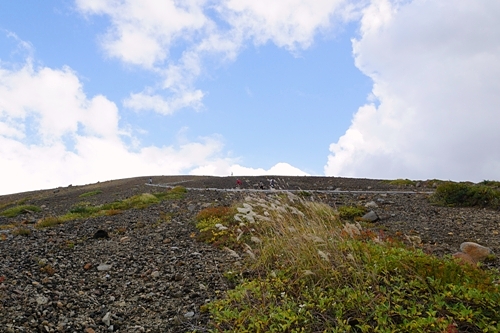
(151, 275)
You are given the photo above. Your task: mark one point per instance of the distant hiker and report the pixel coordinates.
(271, 183)
(231, 173)
(238, 183)
(261, 185)
(150, 180)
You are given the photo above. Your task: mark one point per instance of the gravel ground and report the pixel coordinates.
(151, 275)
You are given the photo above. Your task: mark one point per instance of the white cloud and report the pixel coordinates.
(145, 33)
(142, 32)
(287, 23)
(435, 68)
(225, 168)
(52, 134)
(147, 101)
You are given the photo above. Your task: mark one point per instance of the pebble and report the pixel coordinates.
(42, 300)
(189, 314)
(107, 319)
(103, 267)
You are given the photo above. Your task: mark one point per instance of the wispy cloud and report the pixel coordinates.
(151, 33)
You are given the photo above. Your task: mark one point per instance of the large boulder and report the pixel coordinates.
(475, 251)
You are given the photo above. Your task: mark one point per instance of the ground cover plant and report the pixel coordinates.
(18, 210)
(485, 194)
(85, 209)
(308, 271)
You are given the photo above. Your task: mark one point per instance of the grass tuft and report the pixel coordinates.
(21, 231)
(49, 222)
(90, 194)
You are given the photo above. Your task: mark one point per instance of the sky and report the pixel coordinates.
(94, 90)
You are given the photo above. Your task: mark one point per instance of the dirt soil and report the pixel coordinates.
(151, 275)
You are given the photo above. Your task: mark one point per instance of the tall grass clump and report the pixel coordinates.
(311, 272)
(466, 195)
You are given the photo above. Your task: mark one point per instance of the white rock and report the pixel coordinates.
(103, 267)
(107, 319)
(371, 204)
(42, 300)
(255, 239)
(220, 226)
(232, 253)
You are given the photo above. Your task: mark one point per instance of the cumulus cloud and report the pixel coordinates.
(435, 68)
(145, 32)
(52, 134)
(225, 168)
(287, 23)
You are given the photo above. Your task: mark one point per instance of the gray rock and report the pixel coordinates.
(370, 216)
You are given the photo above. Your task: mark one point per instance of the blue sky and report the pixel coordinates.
(92, 90)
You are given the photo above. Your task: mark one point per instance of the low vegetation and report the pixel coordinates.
(48, 222)
(351, 212)
(85, 209)
(452, 194)
(21, 231)
(90, 194)
(402, 182)
(308, 271)
(18, 210)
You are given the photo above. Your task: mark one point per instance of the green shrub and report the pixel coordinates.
(466, 195)
(491, 183)
(90, 194)
(402, 182)
(308, 274)
(351, 212)
(18, 210)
